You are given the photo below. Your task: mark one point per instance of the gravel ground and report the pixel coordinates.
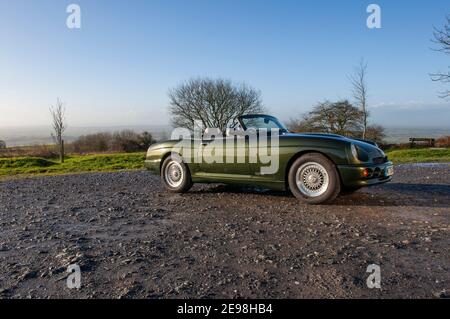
(134, 240)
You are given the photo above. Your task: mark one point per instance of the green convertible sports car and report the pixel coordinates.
(258, 150)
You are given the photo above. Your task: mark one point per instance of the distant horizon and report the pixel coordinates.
(168, 126)
(38, 135)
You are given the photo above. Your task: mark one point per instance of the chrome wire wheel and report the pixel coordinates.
(173, 174)
(312, 179)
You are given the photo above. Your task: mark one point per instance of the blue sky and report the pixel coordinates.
(117, 69)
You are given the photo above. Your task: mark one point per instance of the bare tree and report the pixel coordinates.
(359, 83)
(215, 103)
(57, 112)
(376, 133)
(442, 39)
(338, 118)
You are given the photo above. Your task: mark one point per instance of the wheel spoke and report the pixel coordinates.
(173, 174)
(312, 179)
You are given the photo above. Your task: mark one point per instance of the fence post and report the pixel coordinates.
(61, 152)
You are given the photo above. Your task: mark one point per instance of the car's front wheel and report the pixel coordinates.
(313, 178)
(175, 175)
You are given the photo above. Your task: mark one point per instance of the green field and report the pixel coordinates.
(28, 166)
(17, 166)
(420, 155)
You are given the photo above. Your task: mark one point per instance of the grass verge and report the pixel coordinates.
(17, 166)
(420, 155)
(32, 166)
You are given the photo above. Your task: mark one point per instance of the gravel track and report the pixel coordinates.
(134, 240)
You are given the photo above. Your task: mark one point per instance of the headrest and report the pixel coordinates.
(234, 131)
(212, 131)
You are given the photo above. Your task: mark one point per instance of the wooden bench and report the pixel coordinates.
(425, 141)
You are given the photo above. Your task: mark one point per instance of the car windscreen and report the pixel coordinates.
(262, 122)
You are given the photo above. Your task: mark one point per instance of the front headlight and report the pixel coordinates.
(381, 152)
(359, 154)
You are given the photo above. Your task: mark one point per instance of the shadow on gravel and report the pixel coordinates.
(376, 200)
(435, 189)
(402, 194)
(234, 189)
(392, 194)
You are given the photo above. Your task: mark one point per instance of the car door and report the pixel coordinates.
(236, 156)
(264, 154)
(211, 155)
(226, 156)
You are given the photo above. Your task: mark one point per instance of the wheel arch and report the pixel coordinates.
(163, 158)
(166, 155)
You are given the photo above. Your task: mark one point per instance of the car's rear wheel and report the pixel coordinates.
(175, 175)
(313, 178)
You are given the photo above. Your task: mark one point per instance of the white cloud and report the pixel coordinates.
(411, 104)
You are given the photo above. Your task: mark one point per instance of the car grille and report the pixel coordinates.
(380, 159)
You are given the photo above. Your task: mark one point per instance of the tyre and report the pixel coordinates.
(175, 175)
(313, 178)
